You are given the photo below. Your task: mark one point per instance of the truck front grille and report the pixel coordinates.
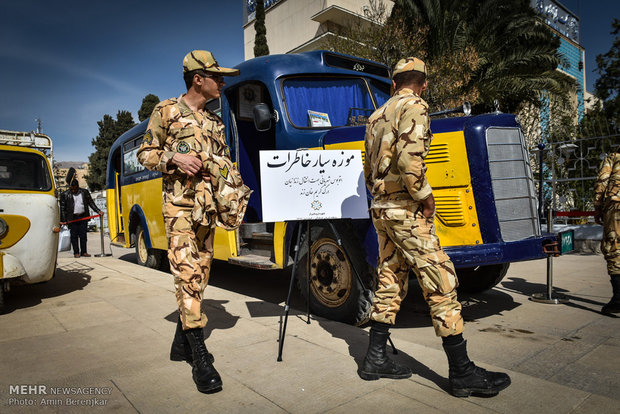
(513, 184)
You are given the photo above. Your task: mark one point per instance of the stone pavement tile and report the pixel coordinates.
(345, 339)
(309, 379)
(554, 358)
(430, 369)
(388, 401)
(228, 332)
(604, 327)
(597, 404)
(438, 399)
(103, 349)
(24, 323)
(598, 372)
(88, 314)
(169, 388)
(139, 304)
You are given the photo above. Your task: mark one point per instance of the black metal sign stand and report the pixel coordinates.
(282, 332)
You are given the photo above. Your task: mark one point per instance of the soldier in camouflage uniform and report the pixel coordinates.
(398, 138)
(607, 213)
(179, 131)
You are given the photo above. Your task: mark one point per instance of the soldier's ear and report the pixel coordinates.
(425, 85)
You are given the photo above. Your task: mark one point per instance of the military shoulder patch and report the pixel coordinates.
(182, 148)
(148, 137)
(224, 172)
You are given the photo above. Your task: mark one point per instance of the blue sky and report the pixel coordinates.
(70, 62)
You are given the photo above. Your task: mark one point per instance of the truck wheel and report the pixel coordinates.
(481, 278)
(145, 256)
(335, 292)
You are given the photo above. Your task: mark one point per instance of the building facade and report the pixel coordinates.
(300, 25)
(566, 25)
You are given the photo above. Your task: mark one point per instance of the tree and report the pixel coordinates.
(260, 41)
(109, 130)
(517, 55)
(607, 86)
(148, 104)
(387, 38)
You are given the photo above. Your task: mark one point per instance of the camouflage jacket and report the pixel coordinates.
(607, 185)
(173, 128)
(398, 138)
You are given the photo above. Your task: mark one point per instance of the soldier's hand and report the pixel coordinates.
(188, 163)
(428, 207)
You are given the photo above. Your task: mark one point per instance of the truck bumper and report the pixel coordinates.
(503, 252)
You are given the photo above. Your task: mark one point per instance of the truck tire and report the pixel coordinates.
(145, 256)
(481, 278)
(335, 292)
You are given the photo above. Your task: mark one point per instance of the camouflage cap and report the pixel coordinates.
(407, 64)
(203, 59)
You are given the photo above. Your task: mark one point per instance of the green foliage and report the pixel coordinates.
(260, 41)
(109, 130)
(517, 54)
(607, 86)
(148, 104)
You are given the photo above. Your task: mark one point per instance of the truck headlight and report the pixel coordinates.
(4, 228)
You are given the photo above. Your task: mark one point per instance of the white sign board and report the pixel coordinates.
(312, 185)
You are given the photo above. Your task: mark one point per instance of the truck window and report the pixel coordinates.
(130, 159)
(326, 102)
(24, 171)
(381, 91)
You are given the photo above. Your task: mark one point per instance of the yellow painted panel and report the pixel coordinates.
(148, 195)
(447, 161)
(225, 244)
(279, 233)
(456, 224)
(18, 227)
(111, 216)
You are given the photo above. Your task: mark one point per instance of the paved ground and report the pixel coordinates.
(102, 329)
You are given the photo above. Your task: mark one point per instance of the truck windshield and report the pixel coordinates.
(24, 171)
(321, 102)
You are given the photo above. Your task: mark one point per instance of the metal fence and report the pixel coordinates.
(569, 170)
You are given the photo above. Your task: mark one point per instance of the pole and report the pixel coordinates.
(308, 272)
(103, 253)
(548, 296)
(288, 298)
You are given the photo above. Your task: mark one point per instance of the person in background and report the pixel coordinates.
(607, 213)
(74, 204)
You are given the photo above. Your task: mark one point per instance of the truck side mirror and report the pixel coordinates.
(262, 117)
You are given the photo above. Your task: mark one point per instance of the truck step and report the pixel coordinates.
(254, 261)
(265, 236)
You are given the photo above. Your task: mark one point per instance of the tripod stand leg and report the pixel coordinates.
(308, 273)
(288, 299)
(394, 350)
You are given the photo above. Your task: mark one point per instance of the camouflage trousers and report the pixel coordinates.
(610, 245)
(190, 251)
(407, 240)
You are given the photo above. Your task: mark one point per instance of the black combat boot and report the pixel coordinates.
(614, 304)
(377, 364)
(205, 376)
(180, 350)
(466, 378)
